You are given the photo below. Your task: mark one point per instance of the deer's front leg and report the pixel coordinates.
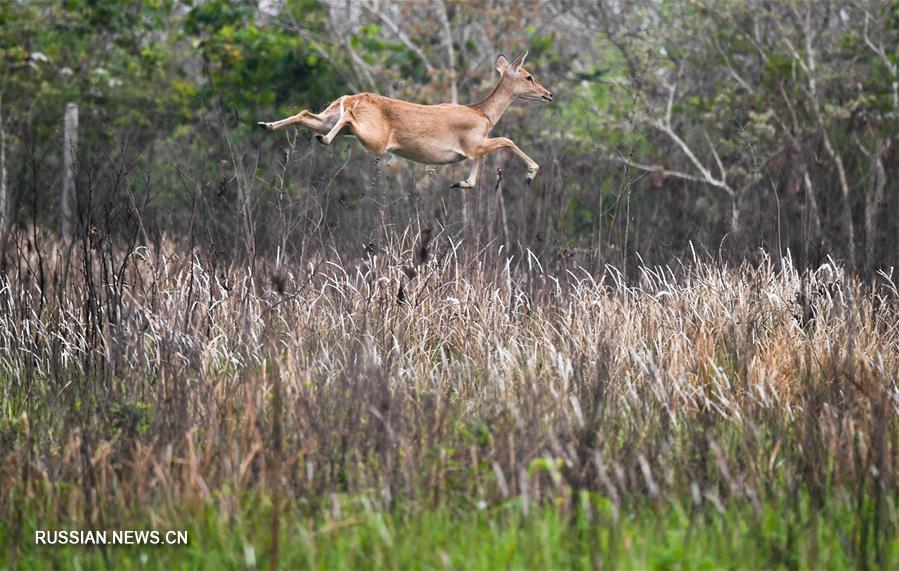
(472, 179)
(491, 145)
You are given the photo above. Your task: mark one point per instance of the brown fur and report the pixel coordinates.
(430, 134)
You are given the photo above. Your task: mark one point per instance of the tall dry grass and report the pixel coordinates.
(427, 373)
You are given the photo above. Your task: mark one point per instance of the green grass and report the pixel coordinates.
(361, 537)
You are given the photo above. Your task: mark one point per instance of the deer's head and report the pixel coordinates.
(524, 84)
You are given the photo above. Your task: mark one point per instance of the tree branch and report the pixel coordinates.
(667, 128)
(878, 49)
(450, 50)
(654, 168)
(401, 36)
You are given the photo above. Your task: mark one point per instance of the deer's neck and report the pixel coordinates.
(497, 102)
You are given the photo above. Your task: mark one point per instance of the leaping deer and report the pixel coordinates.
(430, 134)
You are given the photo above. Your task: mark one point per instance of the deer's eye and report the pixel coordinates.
(531, 78)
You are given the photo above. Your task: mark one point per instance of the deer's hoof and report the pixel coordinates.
(321, 139)
(264, 125)
(532, 174)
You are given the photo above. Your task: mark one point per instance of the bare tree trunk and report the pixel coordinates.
(873, 204)
(502, 208)
(812, 203)
(70, 144)
(844, 187)
(450, 52)
(735, 214)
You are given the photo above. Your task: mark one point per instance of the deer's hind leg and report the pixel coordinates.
(365, 123)
(320, 123)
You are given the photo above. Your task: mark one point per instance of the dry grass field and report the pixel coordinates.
(428, 406)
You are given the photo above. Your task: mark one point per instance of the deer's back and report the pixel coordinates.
(414, 118)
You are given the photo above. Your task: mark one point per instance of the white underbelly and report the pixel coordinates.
(429, 156)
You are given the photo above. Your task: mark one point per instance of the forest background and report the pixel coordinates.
(725, 126)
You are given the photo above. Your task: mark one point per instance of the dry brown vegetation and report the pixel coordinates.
(431, 374)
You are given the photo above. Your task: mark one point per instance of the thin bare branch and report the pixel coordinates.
(654, 168)
(400, 34)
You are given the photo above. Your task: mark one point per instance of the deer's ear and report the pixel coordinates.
(519, 61)
(501, 63)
